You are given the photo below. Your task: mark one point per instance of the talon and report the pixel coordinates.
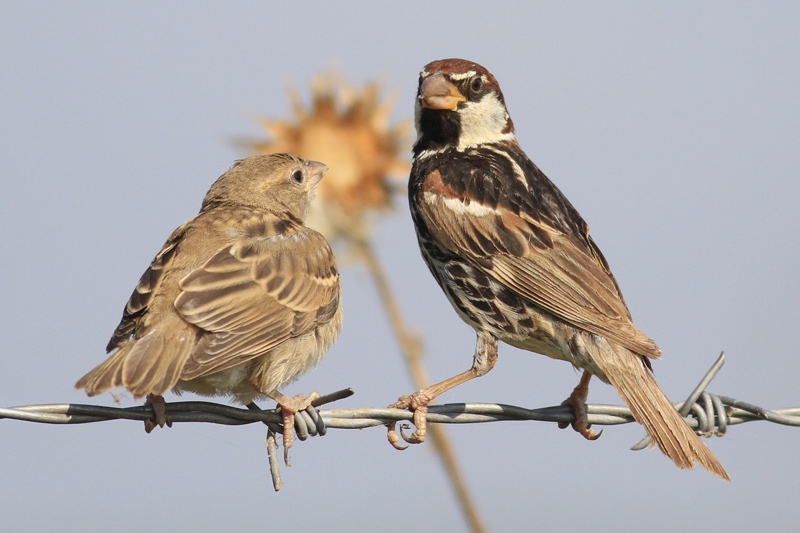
(160, 410)
(393, 438)
(417, 437)
(403, 433)
(418, 403)
(577, 400)
(580, 424)
(290, 406)
(589, 434)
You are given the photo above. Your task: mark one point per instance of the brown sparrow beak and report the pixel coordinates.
(316, 170)
(438, 93)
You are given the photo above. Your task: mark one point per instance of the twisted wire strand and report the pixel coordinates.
(706, 413)
(737, 412)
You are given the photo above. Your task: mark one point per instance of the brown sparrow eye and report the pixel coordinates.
(476, 84)
(297, 176)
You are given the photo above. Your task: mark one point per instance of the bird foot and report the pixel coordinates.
(580, 424)
(289, 407)
(418, 403)
(160, 408)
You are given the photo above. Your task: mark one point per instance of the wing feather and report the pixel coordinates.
(146, 289)
(255, 294)
(559, 272)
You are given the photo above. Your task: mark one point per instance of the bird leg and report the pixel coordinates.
(290, 406)
(577, 400)
(484, 359)
(160, 408)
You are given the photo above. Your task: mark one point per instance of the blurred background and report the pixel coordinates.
(674, 129)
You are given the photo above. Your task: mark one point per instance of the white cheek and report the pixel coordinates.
(483, 122)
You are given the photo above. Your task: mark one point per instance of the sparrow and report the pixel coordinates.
(516, 261)
(240, 301)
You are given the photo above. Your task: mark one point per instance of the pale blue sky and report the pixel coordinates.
(673, 128)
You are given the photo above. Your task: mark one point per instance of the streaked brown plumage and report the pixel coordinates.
(516, 261)
(241, 299)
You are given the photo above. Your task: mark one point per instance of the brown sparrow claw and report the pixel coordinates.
(160, 409)
(290, 406)
(577, 400)
(417, 437)
(580, 424)
(393, 438)
(418, 403)
(421, 422)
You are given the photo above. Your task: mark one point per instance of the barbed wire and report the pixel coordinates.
(708, 414)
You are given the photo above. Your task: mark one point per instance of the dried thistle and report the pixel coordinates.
(348, 129)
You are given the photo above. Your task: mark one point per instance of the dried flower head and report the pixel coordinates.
(348, 130)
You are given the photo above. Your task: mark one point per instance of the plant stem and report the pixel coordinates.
(411, 347)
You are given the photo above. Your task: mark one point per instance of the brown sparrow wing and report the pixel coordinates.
(256, 294)
(145, 290)
(562, 273)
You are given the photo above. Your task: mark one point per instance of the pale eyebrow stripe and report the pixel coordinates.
(463, 75)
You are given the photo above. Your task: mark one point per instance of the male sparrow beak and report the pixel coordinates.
(438, 93)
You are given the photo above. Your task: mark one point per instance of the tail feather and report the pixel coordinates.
(148, 365)
(651, 408)
(105, 376)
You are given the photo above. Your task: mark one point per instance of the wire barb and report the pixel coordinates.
(710, 414)
(705, 424)
(274, 462)
(736, 412)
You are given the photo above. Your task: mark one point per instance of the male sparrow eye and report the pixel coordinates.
(476, 84)
(297, 176)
